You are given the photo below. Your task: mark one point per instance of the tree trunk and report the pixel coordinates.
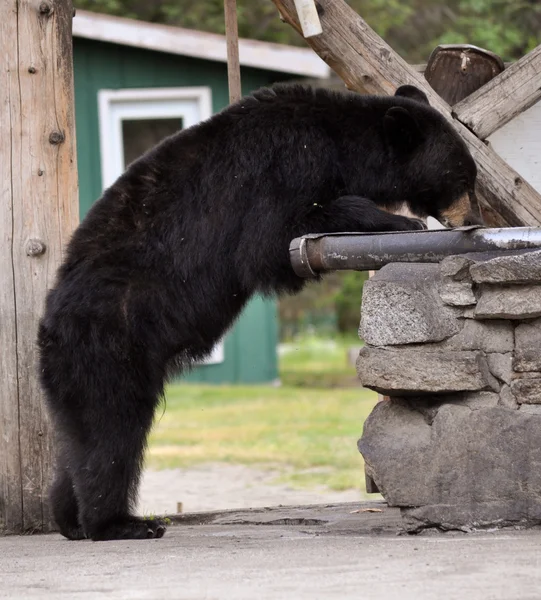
(38, 212)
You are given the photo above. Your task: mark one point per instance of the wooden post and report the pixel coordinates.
(38, 212)
(232, 38)
(365, 62)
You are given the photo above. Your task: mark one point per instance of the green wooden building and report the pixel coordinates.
(136, 83)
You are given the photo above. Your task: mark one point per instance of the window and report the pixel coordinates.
(134, 120)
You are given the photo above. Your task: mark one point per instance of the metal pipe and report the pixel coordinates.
(318, 253)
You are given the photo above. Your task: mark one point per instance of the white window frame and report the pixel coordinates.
(142, 103)
(147, 103)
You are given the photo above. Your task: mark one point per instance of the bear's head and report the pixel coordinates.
(437, 169)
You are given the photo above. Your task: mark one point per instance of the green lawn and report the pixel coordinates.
(315, 362)
(309, 433)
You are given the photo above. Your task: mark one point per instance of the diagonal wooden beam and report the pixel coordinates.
(503, 98)
(366, 63)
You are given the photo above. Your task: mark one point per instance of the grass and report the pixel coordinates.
(307, 433)
(311, 361)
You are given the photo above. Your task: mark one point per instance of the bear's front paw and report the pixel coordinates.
(417, 224)
(407, 224)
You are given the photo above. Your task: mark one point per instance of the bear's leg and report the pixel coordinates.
(354, 213)
(106, 479)
(64, 503)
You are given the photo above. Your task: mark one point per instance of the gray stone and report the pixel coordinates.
(456, 268)
(528, 346)
(527, 390)
(476, 400)
(469, 313)
(457, 293)
(514, 302)
(492, 336)
(429, 406)
(518, 268)
(526, 375)
(489, 336)
(507, 398)
(501, 366)
(401, 305)
(468, 469)
(413, 371)
(530, 409)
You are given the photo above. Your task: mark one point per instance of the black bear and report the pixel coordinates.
(164, 262)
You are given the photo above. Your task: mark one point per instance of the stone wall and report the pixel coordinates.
(457, 347)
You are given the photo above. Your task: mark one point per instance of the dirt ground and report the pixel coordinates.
(222, 486)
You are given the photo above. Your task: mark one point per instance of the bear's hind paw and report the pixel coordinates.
(130, 528)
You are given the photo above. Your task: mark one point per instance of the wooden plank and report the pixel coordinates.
(10, 466)
(232, 38)
(308, 17)
(41, 207)
(503, 98)
(365, 62)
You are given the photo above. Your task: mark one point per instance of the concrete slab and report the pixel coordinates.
(323, 552)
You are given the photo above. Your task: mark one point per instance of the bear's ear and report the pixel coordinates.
(401, 129)
(410, 91)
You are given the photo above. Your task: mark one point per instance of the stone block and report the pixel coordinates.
(464, 469)
(507, 398)
(492, 336)
(401, 305)
(514, 302)
(489, 336)
(527, 390)
(456, 268)
(457, 293)
(528, 346)
(429, 406)
(475, 400)
(530, 409)
(523, 267)
(501, 366)
(414, 371)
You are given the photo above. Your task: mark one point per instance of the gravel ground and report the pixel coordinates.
(222, 486)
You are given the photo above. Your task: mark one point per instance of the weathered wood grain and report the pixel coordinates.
(506, 96)
(232, 38)
(39, 212)
(10, 467)
(366, 63)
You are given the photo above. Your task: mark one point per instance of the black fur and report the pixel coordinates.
(164, 262)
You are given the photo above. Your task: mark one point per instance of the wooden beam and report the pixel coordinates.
(365, 62)
(232, 38)
(503, 98)
(38, 211)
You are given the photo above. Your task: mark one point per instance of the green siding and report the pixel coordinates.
(250, 347)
